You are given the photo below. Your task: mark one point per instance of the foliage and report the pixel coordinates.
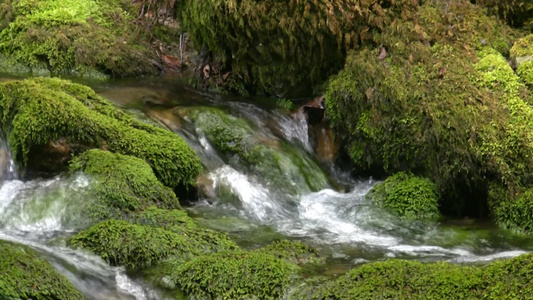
(398, 279)
(26, 275)
(124, 184)
(281, 163)
(512, 211)
(421, 102)
(294, 252)
(79, 115)
(409, 196)
(67, 36)
(231, 275)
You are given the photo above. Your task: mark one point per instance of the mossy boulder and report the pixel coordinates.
(434, 99)
(398, 279)
(295, 252)
(522, 54)
(143, 244)
(75, 36)
(280, 163)
(77, 116)
(26, 275)
(122, 184)
(177, 221)
(230, 275)
(407, 195)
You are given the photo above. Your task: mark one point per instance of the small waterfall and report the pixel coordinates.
(39, 213)
(8, 168)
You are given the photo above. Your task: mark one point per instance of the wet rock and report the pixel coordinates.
(327, 147)
(315, 110)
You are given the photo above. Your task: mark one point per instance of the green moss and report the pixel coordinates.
(523, 47)
(231, 275)
(515, 12)
(435, 102)
(512, 211)
(407, 195)
(525, 71)
(25, 275)
(279, 162)
(295, 252)
(74, 112)
(275, 46)
(134, 246)
(75, 36)
(123, 184)
(177, 221)
(397, 279)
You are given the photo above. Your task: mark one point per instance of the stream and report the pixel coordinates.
(290, 193)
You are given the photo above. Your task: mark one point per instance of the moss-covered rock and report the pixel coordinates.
(75, 36)
(80, 118)
(122, 184)
(522, 54)
(295, 252)
(280, 163)
(26, 275)
(425, 102)
(230, 275)
(149, 237)
(177, 221)
(407, 195)
(397, 279)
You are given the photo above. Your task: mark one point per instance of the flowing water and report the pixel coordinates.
(291, 193)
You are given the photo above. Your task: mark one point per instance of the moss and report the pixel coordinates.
(512, 211)
(26, 275)
(523, 47)
(525, 71)
(409, 196)
(275, 46)
(422, 102)
(134, 246)
(397, 279)
(231, 275)
(295, 252)
(75, 36)
(279, 162)
(75, 113)
(177, 221)
(515, 12)
(123, 184)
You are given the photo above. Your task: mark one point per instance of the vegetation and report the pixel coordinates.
(178, 222)
(295, 252)
(85, 120)
(422, 102)
(75, 36)
(515, 12)
(26, 275)
(231, 275)
(399, 279)
(123, 184)
(409, 196)
(522, 54)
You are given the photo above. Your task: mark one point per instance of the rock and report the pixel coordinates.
(26, 275)
(315, 110)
